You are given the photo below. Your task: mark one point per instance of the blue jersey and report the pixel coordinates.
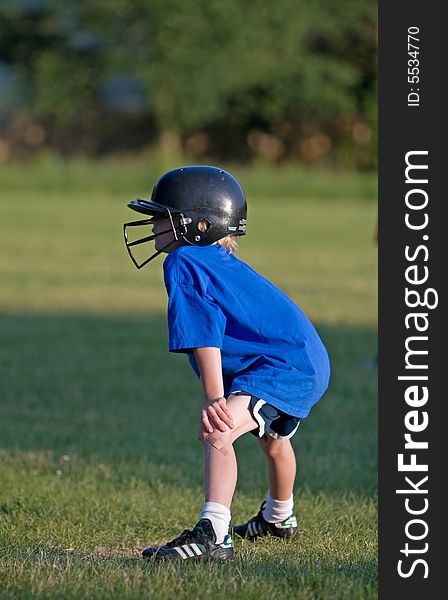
(268, 346)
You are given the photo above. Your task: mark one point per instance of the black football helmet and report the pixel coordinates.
(203, 204)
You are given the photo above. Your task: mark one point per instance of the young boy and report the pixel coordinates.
(261, 363)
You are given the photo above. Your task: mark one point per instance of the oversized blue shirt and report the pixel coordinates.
(268, 346)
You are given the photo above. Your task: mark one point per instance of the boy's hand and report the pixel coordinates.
(216, 415)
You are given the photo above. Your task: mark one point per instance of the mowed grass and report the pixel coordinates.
(98, 453)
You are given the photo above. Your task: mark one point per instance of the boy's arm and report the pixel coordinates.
(215, 411)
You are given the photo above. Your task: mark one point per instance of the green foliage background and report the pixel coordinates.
(226, 79)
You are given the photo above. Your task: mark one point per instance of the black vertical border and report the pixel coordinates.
(402, 129)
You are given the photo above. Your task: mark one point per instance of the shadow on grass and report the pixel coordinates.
(42, 555)
(79, 389)
(282, 568)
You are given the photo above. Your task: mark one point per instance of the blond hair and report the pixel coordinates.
(230, 242)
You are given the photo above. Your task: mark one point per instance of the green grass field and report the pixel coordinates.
(98, 455)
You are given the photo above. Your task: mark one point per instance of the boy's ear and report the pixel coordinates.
(204, 225)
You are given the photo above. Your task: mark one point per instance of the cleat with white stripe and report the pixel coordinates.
(198, 544)
(258, 527)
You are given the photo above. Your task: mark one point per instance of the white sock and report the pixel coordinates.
(276, 511)
(219, 515)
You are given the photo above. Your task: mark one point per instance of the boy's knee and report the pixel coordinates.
(273, 447)
(203, 437)
(221, 441)
(225, 436)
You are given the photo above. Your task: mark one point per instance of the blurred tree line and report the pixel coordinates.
(223, 79)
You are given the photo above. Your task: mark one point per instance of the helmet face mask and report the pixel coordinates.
(173, 228)
(202, 204)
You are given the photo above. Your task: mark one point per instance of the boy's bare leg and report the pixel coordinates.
(281, 463)
(220, 464)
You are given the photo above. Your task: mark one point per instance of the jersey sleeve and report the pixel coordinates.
(194, 319)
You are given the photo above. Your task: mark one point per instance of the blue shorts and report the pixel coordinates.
(271, 421)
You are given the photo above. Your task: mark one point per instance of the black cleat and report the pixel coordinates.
(198, 544)
(259, 527)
